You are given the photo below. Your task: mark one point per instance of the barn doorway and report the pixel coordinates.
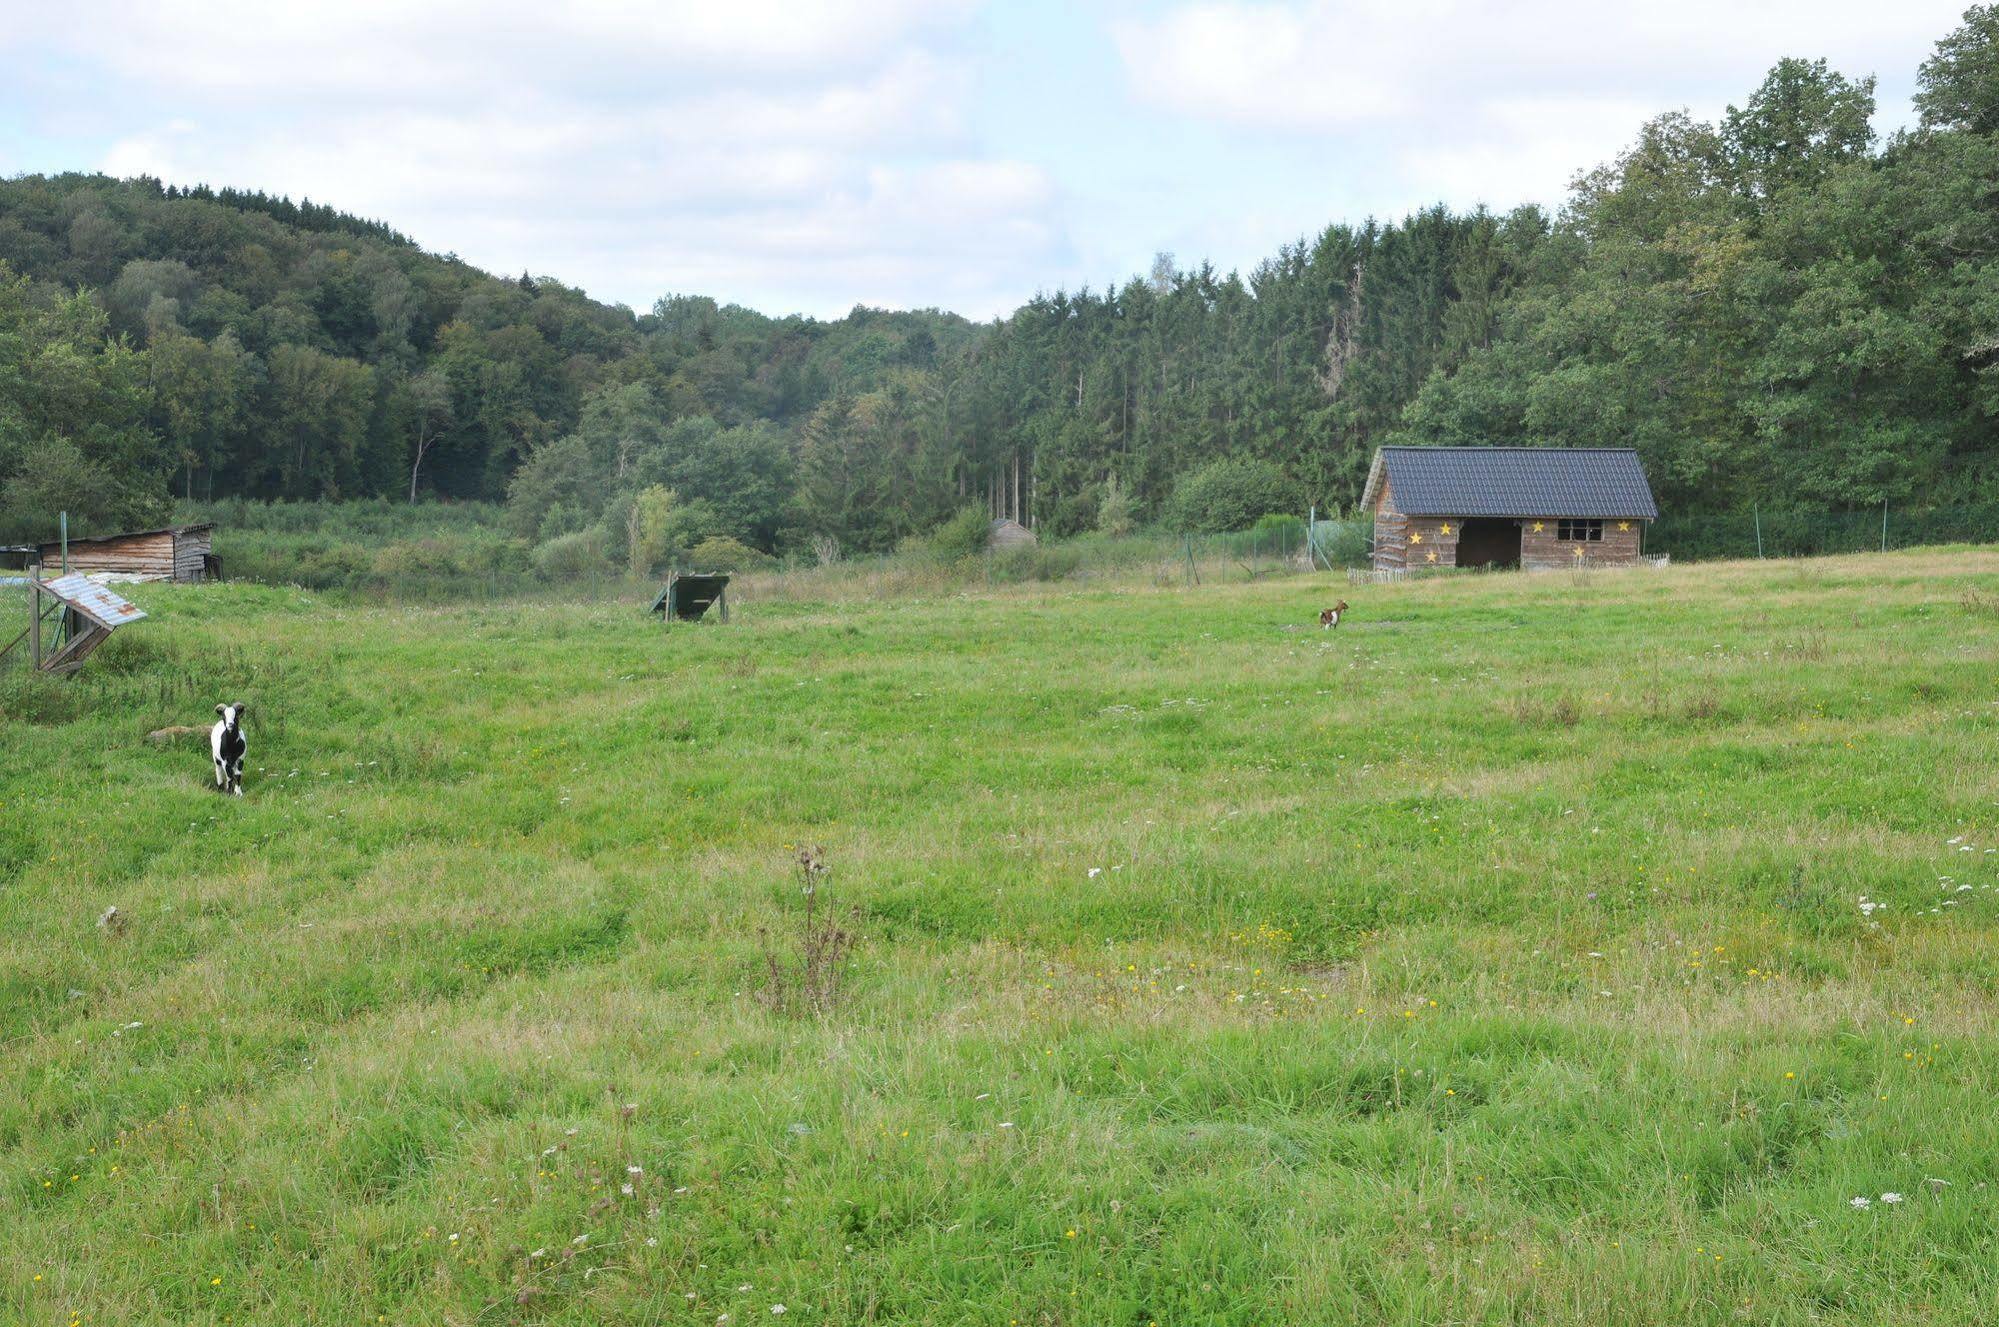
(1487, 541)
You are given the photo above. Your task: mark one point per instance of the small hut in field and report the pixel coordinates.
(172, 553)
(1003, 534)
(1537, 508)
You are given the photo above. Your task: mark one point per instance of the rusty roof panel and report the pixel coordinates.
(95, 602)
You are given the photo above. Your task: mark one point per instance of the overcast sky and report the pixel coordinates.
(810, 156)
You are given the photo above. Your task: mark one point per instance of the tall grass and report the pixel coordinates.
(375, 548)
(379, 550)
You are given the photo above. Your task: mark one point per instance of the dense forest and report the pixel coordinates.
(1776, 308)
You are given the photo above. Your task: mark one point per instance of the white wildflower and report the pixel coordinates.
(1891, 1197)
(1858, 1204)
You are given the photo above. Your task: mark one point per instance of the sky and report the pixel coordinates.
(811, 156)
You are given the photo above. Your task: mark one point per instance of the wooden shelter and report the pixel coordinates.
(171, 553)
(68, 618)
(687, 595)
(1004, 534)
(1538, 508)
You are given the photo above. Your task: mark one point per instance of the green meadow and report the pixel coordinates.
(1615, 948)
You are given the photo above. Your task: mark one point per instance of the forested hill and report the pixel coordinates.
(1777, 307)
(231, 343)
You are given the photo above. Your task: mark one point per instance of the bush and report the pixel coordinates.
(1228, 495)
(572, 556)
(963, 536)
(648, 537)
(724, 553)
(1044, 562)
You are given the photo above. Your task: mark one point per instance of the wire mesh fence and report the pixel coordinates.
(1698, 537)
(1710, 536)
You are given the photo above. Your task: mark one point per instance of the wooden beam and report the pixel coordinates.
(71, 656)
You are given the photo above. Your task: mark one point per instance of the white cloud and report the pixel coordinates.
(446, 48)
(808, 154)
(1469, 101)
(783, 155)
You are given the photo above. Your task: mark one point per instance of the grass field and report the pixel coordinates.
(1545, 950)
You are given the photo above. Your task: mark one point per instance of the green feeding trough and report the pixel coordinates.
(687, 596)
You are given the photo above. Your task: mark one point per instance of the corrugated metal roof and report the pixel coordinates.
(93, 600)
(1513, 481)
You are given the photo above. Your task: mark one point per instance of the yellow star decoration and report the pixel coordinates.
(1416, 538)
(1623, 527)
(1539, 526)
(1579, 550)
(1447, 527)
(1430, 556)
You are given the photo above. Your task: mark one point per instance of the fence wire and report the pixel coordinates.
(1697, 537)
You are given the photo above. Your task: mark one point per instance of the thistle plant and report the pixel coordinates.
(810, 983)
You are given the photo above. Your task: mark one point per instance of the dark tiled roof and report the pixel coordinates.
(1514, 481)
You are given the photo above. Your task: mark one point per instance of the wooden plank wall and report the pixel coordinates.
(190, 555)
(1391, 532)
(142, 555)
(1405, 542)
(1433, 542)
(1542, 551)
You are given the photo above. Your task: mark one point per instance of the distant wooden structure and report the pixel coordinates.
(170, 553)
(1005, 533)
(1537, 508)
(68, 618)
(688, 596)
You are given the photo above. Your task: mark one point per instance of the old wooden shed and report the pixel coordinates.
(1004, 534)
(171, 553)
(1538, 508)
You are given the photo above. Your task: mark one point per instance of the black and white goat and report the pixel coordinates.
(225, 741)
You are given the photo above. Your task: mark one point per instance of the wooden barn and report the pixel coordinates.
(174, 553)
(1004, 534)
(1538, 508)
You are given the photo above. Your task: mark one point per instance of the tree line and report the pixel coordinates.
(1776, 308)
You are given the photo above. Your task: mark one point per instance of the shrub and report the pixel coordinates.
(1042, 562)
(647, 528)
(724, 553)
(963, 536)
(571, 556)
(1228, 495)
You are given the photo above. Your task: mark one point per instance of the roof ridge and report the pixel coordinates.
(1508, 447)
